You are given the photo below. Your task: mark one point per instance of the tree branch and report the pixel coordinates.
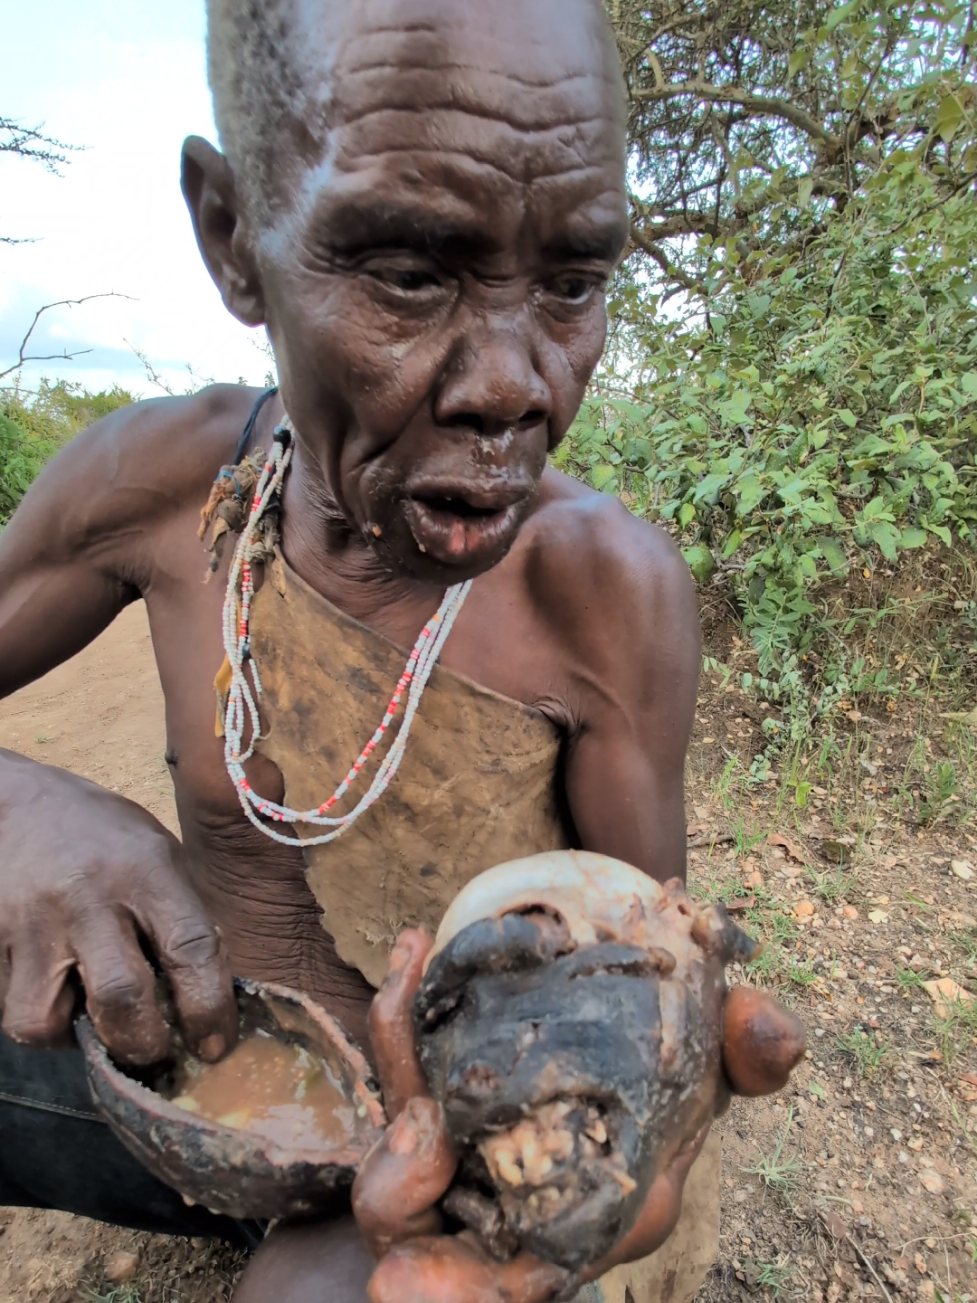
(22, 355)
(645, 243)
(691, 223)
(758, 105)
(31, 143)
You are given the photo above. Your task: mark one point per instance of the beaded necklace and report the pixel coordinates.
(242, 699)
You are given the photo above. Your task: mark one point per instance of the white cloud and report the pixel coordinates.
(128, 82)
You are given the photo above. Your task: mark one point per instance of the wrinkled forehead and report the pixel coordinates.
(480, 100)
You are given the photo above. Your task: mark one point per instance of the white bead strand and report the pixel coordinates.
(242, 700)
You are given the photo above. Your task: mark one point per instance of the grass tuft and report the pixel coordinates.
(780, 1175)
(868, 1054)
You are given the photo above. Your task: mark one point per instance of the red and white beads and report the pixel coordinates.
(242, 699)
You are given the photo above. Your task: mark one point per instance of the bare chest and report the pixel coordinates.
(258, 891)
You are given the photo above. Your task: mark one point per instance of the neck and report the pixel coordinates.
(340, 565)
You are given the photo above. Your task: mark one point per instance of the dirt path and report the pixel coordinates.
(101, 716)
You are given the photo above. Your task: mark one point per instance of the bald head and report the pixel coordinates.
(283, 72)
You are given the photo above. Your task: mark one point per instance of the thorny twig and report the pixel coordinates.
(32, 144)
(22, 355)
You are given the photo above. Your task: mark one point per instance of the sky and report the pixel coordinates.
(127, 81)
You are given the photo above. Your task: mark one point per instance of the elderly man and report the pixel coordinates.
(423, 201)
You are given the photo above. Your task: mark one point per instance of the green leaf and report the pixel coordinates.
(808, 566)
(913, 537)
(848, 417)
(839, 15)
(700, 561)
(735, 408)
(949, 117)
(686, 514)
(886, 536)
(941, 533)
(875, 510)
(750, 492)
(834, 554)
(604, 478)
(968, 383)
(710, 486)
(797, 62)
(804, 192)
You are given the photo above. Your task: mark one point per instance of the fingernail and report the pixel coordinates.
(212, 1047)
(399, 958)
(403, 1135)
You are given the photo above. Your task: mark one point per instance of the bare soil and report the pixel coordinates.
(858, 1182)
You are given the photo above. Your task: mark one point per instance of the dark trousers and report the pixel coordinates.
(56, 1152)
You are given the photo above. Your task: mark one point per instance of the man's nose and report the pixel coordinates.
(492, 384)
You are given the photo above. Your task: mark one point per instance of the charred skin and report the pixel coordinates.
(571, 1074)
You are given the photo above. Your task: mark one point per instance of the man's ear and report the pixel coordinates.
(208, 187)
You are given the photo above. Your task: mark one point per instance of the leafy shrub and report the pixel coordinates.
(816, 423)
(791, 384)
(33, 427)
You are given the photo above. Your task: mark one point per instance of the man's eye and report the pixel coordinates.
(575, 289)
(409, 280)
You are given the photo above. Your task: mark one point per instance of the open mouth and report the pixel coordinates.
(454, 527)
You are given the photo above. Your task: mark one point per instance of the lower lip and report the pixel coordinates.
(453, 539)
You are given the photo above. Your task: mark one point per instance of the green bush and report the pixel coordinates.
(812, 422)
(34, 426)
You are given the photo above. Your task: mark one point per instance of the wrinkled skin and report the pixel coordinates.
(412, 1166)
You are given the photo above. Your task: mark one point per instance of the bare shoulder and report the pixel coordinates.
(601, 571)
(131, 470)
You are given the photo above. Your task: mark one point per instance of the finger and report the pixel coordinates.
(660, 1214)
(391, 1028)
(434, 1270)
(527, 1280)
(445, 1270)
(37, 1002)
(120, 990)
(762, 1042)
(403, 1177)
(194, 960)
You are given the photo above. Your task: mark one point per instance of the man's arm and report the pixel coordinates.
(86, 875)
(632, 624)
(74, 553)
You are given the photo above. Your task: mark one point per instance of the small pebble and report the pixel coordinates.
(120, 1267)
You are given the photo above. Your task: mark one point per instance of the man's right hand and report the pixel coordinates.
(85, 877)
